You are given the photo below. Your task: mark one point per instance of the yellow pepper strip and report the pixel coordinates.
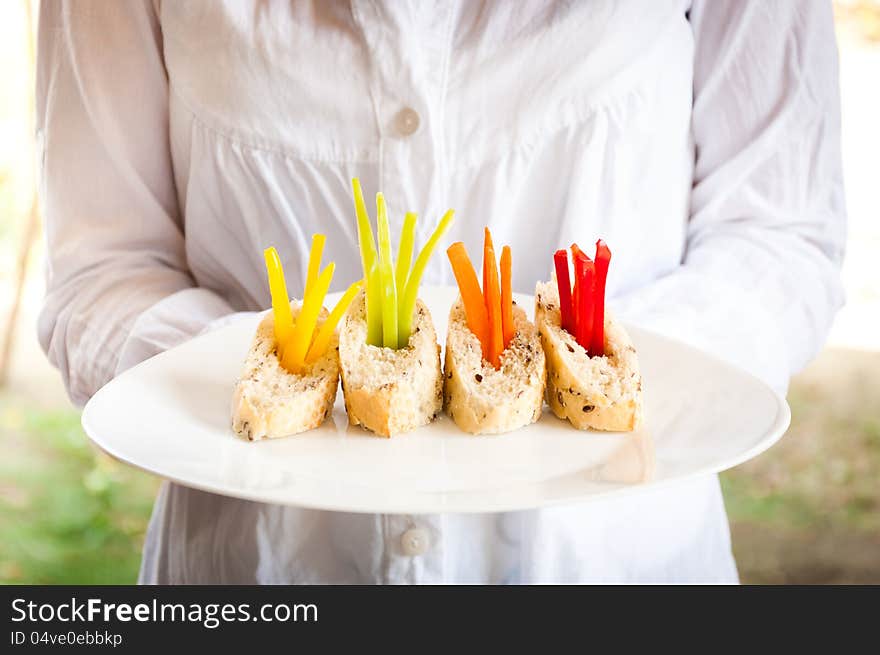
(368, 256)
(318, 241)
(325, 332)
(373, 301)
(408, 304)
(365, 231)
(373, 306)
(386, 276)
(295, 354)
(404, 252)
(280, 300)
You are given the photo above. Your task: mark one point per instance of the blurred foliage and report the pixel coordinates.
(17, 172)
(808, 510)
(10, 218)
(68, 514)
(859, 17)
(828, 467)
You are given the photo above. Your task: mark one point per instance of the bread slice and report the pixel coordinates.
(270, 402)
(481, 399)
(599, 393)
(390, 391)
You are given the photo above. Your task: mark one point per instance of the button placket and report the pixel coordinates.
(413, 548)
(408, 47)
(407, 122)
(415, 542)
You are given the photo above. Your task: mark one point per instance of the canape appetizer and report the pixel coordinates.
(291, 371)
(593, 377)
(494, 370)
(388, 348)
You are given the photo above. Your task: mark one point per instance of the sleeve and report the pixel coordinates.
(759, 283)
(118, 287)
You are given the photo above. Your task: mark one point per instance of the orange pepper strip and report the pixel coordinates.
(506, 297)
(487, 243)
(493, 302)
(469, 287)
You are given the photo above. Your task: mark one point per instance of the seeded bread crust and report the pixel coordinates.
(389, 391)
(598, 393)
(481, 399)
(270, 402)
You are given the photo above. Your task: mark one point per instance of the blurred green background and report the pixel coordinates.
(807, 511)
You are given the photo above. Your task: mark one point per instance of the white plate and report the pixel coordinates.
(170, 416)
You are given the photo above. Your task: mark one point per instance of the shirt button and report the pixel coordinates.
(407, 121)
(414, 542)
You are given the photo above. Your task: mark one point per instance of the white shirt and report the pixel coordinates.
(180, 139)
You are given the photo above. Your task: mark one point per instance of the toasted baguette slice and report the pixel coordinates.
(390, 391)
(481, 399)
(599, 393)
(269, 401)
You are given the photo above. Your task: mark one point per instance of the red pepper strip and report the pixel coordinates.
(603, 259)
(575, 301)
(584, 274)
(576, 293)
(560, 258)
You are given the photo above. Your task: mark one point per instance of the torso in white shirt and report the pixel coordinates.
(549, 123)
